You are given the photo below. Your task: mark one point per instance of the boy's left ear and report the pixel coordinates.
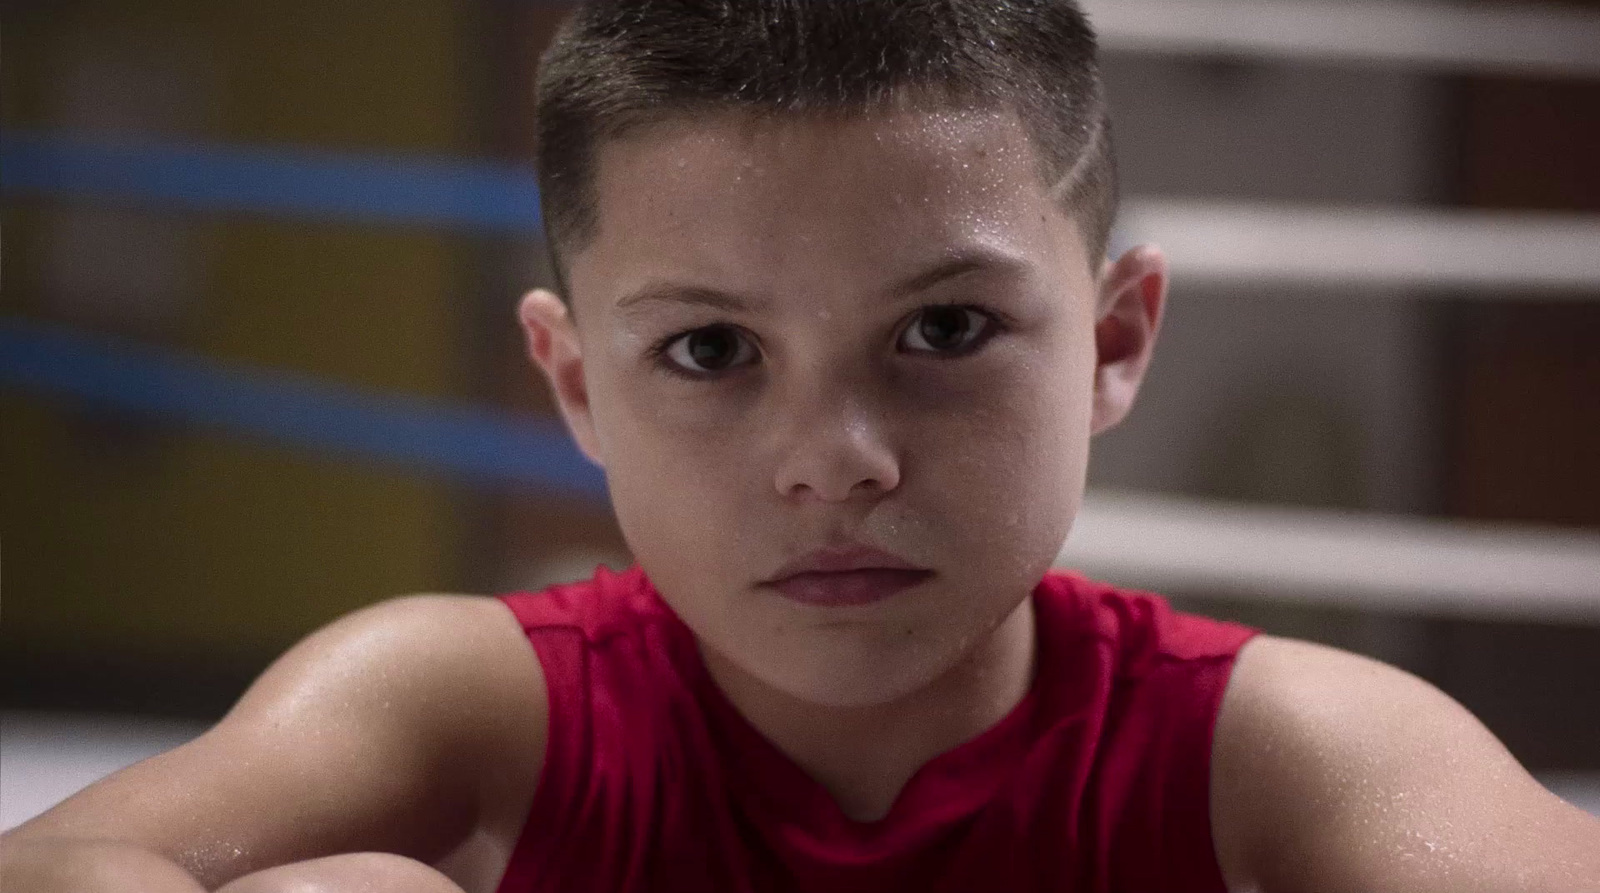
(1132, 297)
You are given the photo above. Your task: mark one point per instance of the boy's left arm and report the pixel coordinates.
(1332, 773)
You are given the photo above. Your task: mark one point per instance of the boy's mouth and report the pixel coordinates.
(841, 588)
(845, 574)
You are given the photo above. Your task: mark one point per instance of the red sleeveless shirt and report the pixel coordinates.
(1097, 781)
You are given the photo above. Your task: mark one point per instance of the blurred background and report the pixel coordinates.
(259, 365)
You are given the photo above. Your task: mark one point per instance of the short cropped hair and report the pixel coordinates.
(618, 66)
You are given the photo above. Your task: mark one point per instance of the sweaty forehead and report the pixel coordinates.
(746, 202)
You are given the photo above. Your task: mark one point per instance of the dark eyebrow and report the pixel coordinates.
(698, 295)
(959, 263)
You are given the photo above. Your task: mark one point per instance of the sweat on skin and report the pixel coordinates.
(818, 241)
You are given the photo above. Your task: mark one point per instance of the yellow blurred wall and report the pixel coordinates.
(128, 538)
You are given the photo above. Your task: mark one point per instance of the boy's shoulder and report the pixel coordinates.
(415, 726)
(420, 650)
(1335, 771)
(433, 713)
(1328, 770)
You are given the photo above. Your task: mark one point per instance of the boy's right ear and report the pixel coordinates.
(554, 347)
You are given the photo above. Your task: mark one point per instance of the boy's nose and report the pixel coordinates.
(834, 456)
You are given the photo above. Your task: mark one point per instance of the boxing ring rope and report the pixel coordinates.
(296, 411)
(1542, 40)
(300, 183)
(1450, 254)
(1445, 568)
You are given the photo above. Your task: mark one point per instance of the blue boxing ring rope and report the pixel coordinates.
(274, 406)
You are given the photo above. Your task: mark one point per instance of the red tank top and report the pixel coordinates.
(1097, 781)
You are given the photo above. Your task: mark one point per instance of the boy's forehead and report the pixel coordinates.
(754, 138)
(746, 201)
(732, 158)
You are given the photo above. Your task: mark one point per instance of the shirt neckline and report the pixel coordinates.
(951, 785)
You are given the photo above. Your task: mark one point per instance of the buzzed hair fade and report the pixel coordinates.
(618, 66)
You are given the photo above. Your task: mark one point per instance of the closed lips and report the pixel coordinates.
(844, 559)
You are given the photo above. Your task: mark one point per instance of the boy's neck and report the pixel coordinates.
(864, 756)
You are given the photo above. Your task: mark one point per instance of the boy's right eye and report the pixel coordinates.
(707, 351)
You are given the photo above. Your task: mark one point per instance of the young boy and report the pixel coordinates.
(836, 319)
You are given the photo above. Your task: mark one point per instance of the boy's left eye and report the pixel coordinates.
(946, 329)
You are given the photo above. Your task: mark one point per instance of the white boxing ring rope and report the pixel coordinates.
(1340, 559)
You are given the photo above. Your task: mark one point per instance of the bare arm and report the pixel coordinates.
(415, 728)
(38, 863)
(351, 871)
(1334, 773)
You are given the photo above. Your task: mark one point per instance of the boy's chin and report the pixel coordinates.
(848, 675)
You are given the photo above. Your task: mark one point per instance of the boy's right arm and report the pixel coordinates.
(415, 727)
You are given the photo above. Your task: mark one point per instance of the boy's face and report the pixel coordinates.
(820, 399)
